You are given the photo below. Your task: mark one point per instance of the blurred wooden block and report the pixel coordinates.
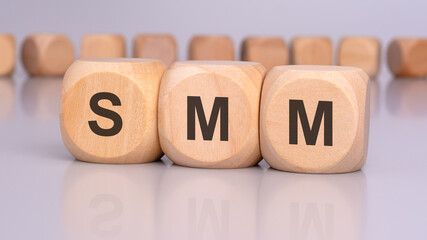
(312, 51)
(47, 54)
(208, 113)
(108, 110)
(269, 51)
(153, 46)
(315, 119)
(361, 52)
(7, 54)
(407, 57)
(211, 48)
(103, 46)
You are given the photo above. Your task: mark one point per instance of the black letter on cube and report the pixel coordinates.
(324, 108)
(118, 123)
(195, 104)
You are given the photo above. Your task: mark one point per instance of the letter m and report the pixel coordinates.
(195, 104)
(324, 109)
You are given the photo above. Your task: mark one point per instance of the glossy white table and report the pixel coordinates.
(46, 194)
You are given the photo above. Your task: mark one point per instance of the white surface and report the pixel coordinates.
(45, 194)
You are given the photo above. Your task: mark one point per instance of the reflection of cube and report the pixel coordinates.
(361, 52)
(127, 194)
(108, 110)
(269, 51)
(407, 57)
(152, 46)
(315, 119)
(208, 204)
(211, 48)
(208, 113)
(47, 54)
(7, 54)
(7, 98)
(103, 46)
(312, 51)
(302, 206)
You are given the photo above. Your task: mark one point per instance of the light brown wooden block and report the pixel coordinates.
(211, 47)
(47, 54)
(269, 51)
(361, 52)
(155, 46)
(407, 57)
(7, 54)
(315, 119)
(103, 46)
(208, 113)
(312, 51)
(108, 110)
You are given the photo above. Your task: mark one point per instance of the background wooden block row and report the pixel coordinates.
(206, 114)
(406, 56)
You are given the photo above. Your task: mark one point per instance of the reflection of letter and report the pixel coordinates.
(300, 228)
(207, 212)
(101, 219)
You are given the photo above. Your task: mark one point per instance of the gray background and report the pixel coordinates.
(45, 194)
(238, 18)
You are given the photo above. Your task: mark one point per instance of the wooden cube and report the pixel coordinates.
(312, 51)
(7, 54)
(47, 54)
(315, 119)
(208, 113)
(108, 110)
(269, 51)
(209, 47)
(407, 57)
(361, 52)
(155, 46)
(103, 46)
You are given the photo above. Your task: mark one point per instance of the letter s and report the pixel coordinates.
(115, 117)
